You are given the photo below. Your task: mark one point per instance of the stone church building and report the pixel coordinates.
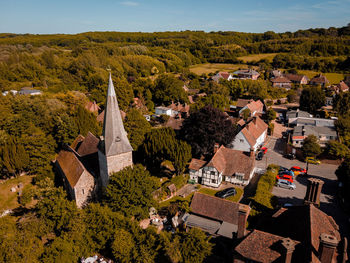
(86, 165)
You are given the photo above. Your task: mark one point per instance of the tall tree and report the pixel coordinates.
(136, 126)
(169, 88)
(206, 127)
(312, 98)
(310, 146)
(130, 191)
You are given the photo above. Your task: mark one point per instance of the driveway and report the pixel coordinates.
(326, 172)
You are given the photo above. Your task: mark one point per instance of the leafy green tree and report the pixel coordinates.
(167, 89)
(270, 114)
(312, 98)
(180, 156)
(195, 246)
(13, 157)
(310, 146)
(136, 126)
(337, 150)
(215, 100)
(130, 191)
(86, 121)
(342, 103)
(65, 129)
(246, 113)
(206, 127)
(122, 246)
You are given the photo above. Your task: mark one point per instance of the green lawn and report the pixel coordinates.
(334, 78)
(8, 199)
(212, 192)
(257, 57)
(213, 67)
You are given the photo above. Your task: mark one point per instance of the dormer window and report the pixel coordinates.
(117, 139)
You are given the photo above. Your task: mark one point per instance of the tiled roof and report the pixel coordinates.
(230, 162)
(321, 79)
(225, 75)
(215, 208)
(280, 80)
(343, 87)
(242, 102)
(260, 246)
(305, 224)
(88, 146)
(295, 77)
(71, 166)
(92, 106)
(196, 164)
(255, 106)
(174, 123)
(253, 130)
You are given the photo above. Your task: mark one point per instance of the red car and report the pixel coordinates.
(264, 150)
(298, 170)
(285, 177)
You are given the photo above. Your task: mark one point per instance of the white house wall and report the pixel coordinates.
(240, 143)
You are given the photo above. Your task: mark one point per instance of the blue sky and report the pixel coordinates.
(75, 16)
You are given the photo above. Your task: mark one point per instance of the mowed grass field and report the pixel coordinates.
(334, 78)
(257, 57)
(8, 199)
(213, 67)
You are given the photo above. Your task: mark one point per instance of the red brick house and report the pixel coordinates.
(281, 82)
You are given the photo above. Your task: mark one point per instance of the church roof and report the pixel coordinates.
(115, 137)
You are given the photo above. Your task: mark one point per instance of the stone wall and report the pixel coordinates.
(84, 189)
(118, 162)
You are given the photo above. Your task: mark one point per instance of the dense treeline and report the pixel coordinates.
(77, 61)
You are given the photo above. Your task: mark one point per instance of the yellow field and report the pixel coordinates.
(334, 78)
(8, 199)
(213, 67)
(257, 57)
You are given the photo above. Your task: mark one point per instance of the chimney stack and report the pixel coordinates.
(313, 191)
(288, 247)
(328, 245)
(243, 213)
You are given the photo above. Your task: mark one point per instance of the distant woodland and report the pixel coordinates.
(78, 62)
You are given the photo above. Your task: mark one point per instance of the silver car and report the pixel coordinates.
(285, 184)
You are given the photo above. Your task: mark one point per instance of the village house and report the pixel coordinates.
(281, 82)
(217, 216)
(92, 107)
(180, 109)
(251, 136)
(247, 74)
(319, 80)
(297, 79)
(255, 107)
(222, 75)
(300, 233)
(227, 165)
(341, 87)
(86, 165)
(293, 115)
(323, 133)
(276, 73)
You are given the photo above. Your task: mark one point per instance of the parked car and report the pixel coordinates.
(259, 156)
(287, 172)
(290, 156)
(283, 169)
(264, 150)
(285, 177)
(312, 160)
(285, 184)
(298, 170)
(231, 191)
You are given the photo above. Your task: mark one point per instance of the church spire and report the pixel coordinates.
(115, 137)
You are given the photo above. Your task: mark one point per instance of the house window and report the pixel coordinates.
(212, 173)
(241, 140)
(239, 177)
(83, 191)
(213, 181)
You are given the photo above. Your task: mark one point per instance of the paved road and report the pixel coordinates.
(326, 172)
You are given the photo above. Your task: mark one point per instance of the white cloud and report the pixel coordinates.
(129, 3)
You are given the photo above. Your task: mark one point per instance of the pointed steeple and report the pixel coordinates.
(115, 137)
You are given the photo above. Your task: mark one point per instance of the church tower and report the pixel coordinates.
(115, 151)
